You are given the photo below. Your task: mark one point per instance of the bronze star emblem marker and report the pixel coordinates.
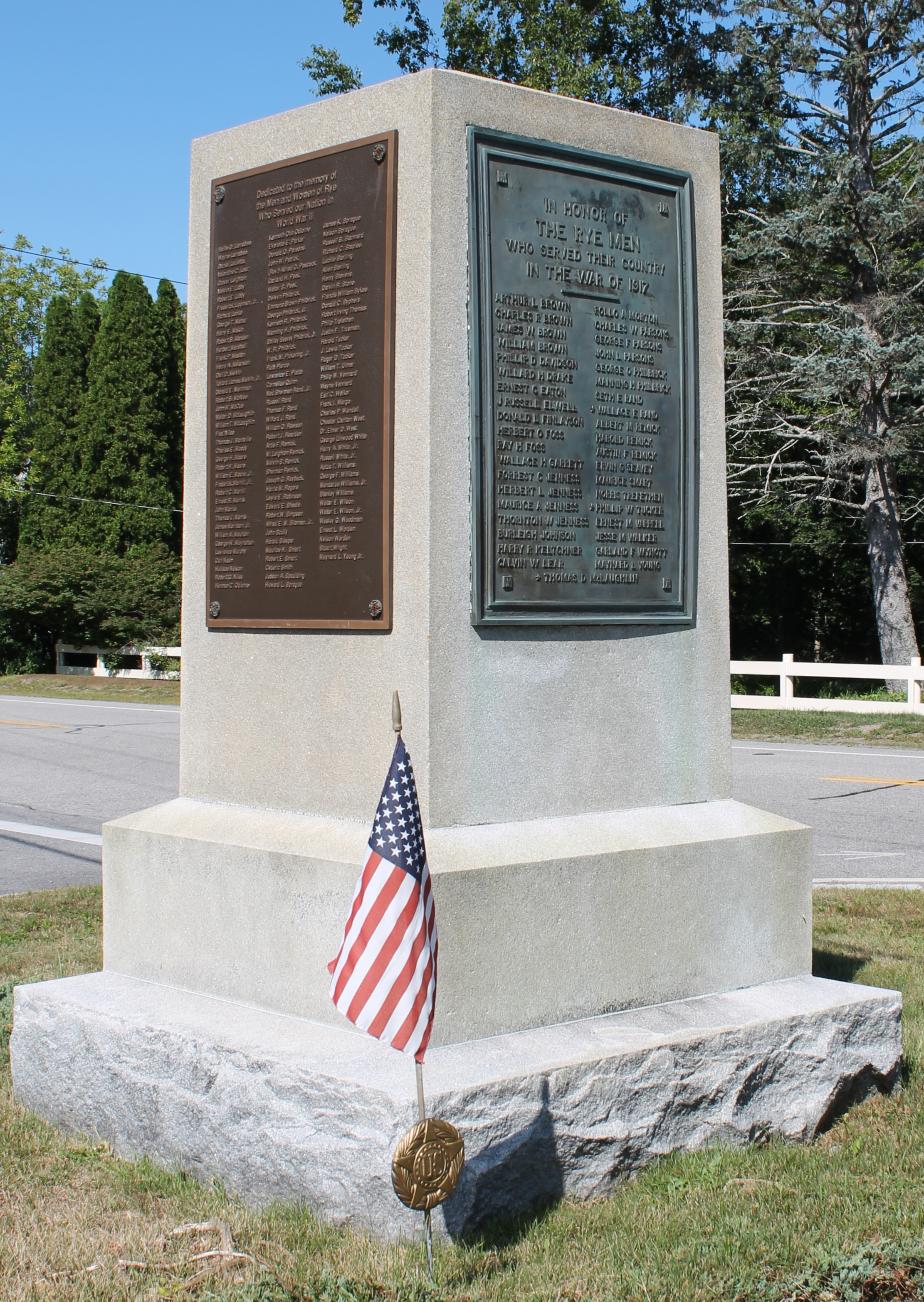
(427, 1164)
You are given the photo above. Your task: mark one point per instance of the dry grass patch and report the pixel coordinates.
(80, 687)
(836, 726)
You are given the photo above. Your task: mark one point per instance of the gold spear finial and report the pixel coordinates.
(396, 712)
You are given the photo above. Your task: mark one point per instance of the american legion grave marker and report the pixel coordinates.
(455, 427)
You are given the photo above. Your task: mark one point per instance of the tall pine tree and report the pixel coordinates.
(55, 475)
(124, 429)
(170, 316)
(28, 281)
(826, 327)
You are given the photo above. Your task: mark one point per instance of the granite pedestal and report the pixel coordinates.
(278, 1107)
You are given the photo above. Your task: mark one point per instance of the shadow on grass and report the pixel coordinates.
(836, 967)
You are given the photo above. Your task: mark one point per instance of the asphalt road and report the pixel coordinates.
(866, 805)
(67, 766)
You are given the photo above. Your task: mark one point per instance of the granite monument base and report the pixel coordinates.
(541, 920)
(279, 1107)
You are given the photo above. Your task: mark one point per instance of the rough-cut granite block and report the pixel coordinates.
(279, 1107)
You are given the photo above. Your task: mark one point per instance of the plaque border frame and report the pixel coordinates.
(489, 610)
(384, 623)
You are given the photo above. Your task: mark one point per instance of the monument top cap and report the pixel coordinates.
(441, 79)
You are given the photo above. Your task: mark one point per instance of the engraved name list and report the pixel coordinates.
(299, 429)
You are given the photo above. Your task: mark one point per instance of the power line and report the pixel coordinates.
(94, 266)
(101, 501)
(813, 546)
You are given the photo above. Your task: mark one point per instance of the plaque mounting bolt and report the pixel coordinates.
(376, 608)
(214, 609)
(220, 193)
(378, 153)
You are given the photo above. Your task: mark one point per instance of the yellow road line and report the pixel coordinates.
(29, 723)
(883, 782)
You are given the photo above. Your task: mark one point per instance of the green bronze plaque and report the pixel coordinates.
(584, 395)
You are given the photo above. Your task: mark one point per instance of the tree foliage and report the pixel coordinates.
(799, 582)
(651, 57)
(28, 283)
(90, 460)
(170, 333)
(80, 595)
(328, 71)
(826, 283)
(647, 56)
(59, 388)
(127, 445)
(819, 107)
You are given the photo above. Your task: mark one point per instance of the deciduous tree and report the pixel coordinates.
(75, 594)
(650, 57)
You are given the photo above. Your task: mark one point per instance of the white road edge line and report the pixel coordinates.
(805, 750)
(860, 854)
(90, 705)
(50, 833)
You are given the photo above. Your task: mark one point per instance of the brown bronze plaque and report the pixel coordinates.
(301, 333)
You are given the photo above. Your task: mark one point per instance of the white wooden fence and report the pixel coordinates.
(100, 662)
(90, 660)
(787, 670)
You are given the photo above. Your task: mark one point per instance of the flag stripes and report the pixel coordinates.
(383, 978)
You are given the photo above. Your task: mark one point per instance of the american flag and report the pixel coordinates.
(384, 975)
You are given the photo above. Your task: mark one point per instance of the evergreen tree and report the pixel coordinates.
(59, 386)
(824, 212)
(826, 306)
(170, 315)
(124, 428)
(28, 281)
(799, 582)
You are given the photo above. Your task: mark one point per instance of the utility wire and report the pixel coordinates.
(95, 266)
(910, 543)
(100, 501)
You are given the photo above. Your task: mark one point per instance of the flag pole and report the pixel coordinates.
(422, 1116)
(421, 1105)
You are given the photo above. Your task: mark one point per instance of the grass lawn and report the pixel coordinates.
(810, 725)
(78, 1223)
(77, 687)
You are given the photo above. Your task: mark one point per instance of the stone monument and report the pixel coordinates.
(455, 427)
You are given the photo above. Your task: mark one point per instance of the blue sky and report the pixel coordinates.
(99, 102)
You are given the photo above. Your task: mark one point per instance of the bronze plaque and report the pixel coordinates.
(583, 367)
(301, 336)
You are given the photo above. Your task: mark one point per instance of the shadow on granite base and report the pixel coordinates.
(281, 1108)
